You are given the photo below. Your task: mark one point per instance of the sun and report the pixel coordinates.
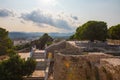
(46, 1)
(49, 2)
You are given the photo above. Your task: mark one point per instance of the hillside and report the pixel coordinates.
(31, 35)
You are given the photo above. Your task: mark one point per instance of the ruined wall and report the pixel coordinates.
(70, 64)
(84, 67)
(111, 68)
(63, 46)
(60, 45)
(91, 44)
(56, 46)
(100, 46)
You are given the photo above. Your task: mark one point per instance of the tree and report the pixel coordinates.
(15, 68)
(114, 32)
(6, 44)
(22, 46)
(29, 66)
(92, 30)
(45, 39)
(71, 37)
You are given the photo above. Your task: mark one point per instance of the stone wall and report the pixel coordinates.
(84, 67)
(102, 46)
(91, 44)
(111, 68)
(56, 46)
(62, 46)
(69, 63)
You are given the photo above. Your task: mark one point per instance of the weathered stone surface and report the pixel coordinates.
(69, 63)
(61, 46)
(111, 67)
(85, 67)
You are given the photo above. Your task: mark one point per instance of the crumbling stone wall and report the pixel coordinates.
(97, 46)
(70, 64)
(61, 46)
(111, 68)
(84, 67)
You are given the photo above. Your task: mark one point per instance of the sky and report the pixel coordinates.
(61, 16)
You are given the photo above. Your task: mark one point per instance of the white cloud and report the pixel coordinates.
(6, 13)
(61, 20)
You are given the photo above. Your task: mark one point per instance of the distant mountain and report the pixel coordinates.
(31, 35)
(60, 35)
(23, 35)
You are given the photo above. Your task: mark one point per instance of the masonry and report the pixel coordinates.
(85, 67)
(70, 63)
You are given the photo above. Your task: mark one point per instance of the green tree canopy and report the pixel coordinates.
(6, 44)
(45, 39)
(114, 32)
(15, 68)
(92, 30)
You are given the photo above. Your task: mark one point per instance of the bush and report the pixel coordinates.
(114, 32)
(15, 68)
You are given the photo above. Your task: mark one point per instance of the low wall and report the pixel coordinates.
(98, 47)
(91, 44)
(63, 46)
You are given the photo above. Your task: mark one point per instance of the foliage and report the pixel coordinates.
(23, 46)
(72, 37)
(40, 43)
(6, 44)
(15, 68)
(44, 40)
(29, 66)
(92, 30)
(48, 43)
(114, 32)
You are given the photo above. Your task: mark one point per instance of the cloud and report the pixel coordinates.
(22, 22)
(42, 17)
(6, 13)
(75, 17)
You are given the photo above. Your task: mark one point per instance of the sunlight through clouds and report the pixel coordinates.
(48, 2)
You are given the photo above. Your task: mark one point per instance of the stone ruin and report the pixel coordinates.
(98, 47)
(63, 46)
(86, 67)
(69, 63)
